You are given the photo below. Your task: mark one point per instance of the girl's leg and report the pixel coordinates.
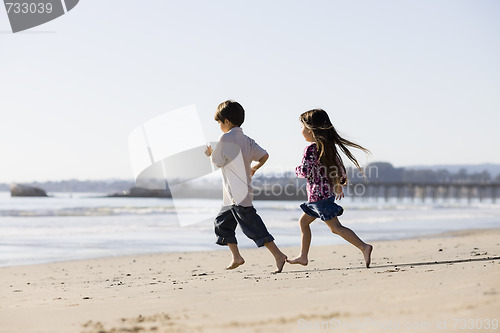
(351, 237)
(237, 258)
(304, 221)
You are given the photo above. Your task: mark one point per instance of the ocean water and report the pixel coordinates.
(86, 225)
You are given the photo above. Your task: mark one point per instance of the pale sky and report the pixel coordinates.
(416, 82)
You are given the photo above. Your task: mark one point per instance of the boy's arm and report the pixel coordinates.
(259, 164)
(216, 155)
(208, 150)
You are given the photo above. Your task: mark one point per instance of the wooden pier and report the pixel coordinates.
(422, 191)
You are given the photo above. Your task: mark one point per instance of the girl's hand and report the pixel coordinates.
(339, 193)
(208, 151)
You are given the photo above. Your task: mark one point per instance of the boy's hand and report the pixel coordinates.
(260, 163)
(253, 170)
(208, 151)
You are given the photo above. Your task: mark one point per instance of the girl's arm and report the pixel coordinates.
(343, 176)
(339, 192)
(308, 162)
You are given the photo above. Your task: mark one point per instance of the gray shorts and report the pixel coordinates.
(250, 222)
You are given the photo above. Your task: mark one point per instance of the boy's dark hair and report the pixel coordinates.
(230, 110)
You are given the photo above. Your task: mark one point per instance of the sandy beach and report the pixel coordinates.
(447, 282)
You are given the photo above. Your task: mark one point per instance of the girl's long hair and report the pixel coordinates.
(327, 140)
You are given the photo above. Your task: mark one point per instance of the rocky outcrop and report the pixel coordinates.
(18, 190)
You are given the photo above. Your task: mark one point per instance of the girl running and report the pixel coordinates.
(326, 174)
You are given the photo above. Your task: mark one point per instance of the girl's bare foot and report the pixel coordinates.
(298, 260)
(235, 263)
(367, 253)
(280, 262)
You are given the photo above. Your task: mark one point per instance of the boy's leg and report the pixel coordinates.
(351, 237)
(279, 256)
(237, 258)
(254, 228)
(225, 226)
(305, 241)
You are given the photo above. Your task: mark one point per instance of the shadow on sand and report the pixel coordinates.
(413, 264)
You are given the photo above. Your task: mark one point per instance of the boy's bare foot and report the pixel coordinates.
(280, 263)
(235, 263)
(298, 260)
(367, 253)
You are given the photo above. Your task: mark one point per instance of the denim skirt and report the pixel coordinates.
(325, 209)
